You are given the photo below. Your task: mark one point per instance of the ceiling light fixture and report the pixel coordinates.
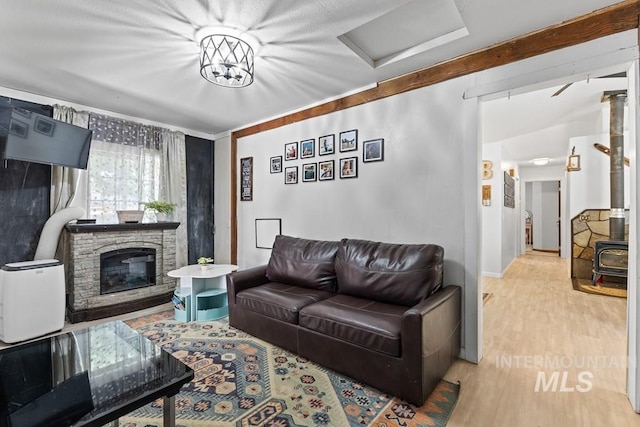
(226, 60)
(541, 161)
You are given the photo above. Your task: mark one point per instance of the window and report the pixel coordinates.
(121, 177)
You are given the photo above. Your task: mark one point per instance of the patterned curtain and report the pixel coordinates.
(120, 131)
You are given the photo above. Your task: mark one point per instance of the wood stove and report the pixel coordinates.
(611, 258)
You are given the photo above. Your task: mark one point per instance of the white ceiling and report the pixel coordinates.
(537, 124)
(139, 57)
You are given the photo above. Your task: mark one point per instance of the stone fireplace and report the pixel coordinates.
(113, 269)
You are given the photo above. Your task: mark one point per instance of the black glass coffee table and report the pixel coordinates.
(88, 377)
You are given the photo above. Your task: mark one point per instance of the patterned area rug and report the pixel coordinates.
(243, 381)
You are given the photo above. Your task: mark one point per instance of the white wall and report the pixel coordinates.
(221, 197)
(499, 223)
(633, 297)
(492, 215)
(418, 194)
(510, 216)
(589, 187)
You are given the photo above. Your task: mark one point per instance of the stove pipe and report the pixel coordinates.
(616, 100)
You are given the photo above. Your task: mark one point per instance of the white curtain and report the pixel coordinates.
(66, 182)
(124, 167)
(173, 187)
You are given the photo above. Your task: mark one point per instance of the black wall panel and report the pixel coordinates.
(199, 156)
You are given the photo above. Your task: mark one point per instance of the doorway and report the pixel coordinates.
(523, 146)
(542, 216)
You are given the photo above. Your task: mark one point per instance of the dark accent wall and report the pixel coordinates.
(200, 229)
(24, 194)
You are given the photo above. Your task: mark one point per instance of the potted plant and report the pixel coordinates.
(204, 262)
(162, 208)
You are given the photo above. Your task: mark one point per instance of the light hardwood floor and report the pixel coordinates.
(536, 322)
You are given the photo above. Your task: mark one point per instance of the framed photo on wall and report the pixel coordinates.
(276, 164)
(325, 170)
(291, 175)
(349, 140)
(309, 172)
(326, 145)
(307, 148)
(349, 167)
(373, 150)
(291, 151)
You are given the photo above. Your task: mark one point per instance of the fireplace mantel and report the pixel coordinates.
(81, 247)
(98, 228)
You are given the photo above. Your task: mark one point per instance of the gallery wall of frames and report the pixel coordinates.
(326, 158)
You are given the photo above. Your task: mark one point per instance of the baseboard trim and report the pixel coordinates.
(76, 316)
(493, 275)
(553, 251)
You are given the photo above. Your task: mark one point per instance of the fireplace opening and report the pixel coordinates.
(611, 258)
(126, 269)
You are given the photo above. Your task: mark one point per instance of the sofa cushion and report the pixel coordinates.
(279, 300)
(371, 324)
(302, 262)
(393, 273)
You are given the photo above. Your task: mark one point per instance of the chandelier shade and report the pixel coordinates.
(226, 60)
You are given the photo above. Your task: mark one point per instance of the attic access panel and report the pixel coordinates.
(408, 30)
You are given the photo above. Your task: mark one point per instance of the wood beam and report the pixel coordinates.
(234, 199)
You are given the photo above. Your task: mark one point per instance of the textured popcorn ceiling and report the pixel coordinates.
(139, 57)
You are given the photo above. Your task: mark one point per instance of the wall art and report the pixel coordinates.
(373, 150)
(325, 170)
(309, 172)
(266, 231)
(307, 148)
(349, 167)
(349, 140)
(291, 151)
(291, 175)
(276, 164)
(326, 145)
(246, 185)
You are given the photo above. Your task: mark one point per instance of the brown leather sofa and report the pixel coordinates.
(376, 312)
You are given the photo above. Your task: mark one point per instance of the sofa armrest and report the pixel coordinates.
(244, 279)
(431, 323)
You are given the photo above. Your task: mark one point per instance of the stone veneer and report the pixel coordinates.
(586, 229)
(82, 245)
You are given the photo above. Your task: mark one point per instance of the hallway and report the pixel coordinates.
(535, 322)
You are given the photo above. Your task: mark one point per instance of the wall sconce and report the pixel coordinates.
(574, 161)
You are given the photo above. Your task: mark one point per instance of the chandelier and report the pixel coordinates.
(226, 60)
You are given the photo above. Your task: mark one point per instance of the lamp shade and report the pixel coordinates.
(226, 60)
